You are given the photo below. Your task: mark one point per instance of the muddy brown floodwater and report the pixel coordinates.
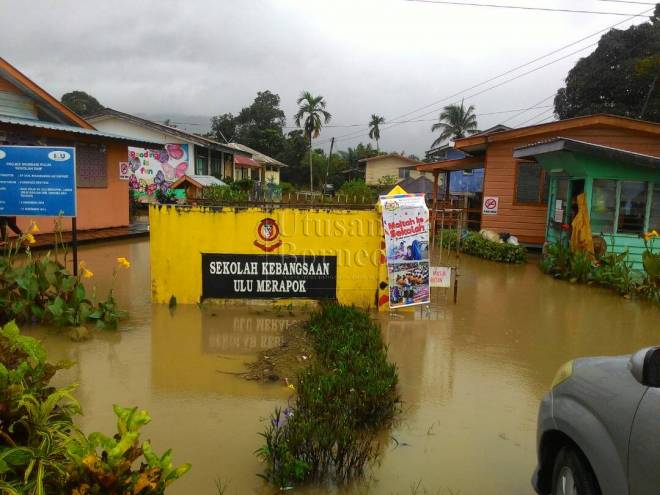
(471, 375)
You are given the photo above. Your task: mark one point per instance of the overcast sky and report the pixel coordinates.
(206, 57)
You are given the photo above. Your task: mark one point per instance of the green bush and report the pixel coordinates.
(41, 450)
(611, 270)
(472, 243)
(343, 401)
(40, 289)
(358, 189)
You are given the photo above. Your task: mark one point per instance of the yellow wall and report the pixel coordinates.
(382, 167)
(179, 236)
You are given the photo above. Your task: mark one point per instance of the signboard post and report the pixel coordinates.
(40, 181)
(406, 227)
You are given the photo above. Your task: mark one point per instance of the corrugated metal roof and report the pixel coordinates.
(257, 155)
(40, 124)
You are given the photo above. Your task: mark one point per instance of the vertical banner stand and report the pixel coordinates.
(74, 244)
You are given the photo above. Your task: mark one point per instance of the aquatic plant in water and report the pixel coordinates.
(343, 401)
(41, 450)
(40, 288)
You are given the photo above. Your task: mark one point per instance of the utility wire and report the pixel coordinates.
(500, 112)
(544, 112)
(351, 135)
(524, 111)
(489, 88)
(628, 2)
(522, 7)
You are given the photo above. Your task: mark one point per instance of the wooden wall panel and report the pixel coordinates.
(528, 222)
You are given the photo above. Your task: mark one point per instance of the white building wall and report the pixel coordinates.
(123, 127)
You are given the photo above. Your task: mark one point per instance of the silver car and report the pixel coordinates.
(599, 428)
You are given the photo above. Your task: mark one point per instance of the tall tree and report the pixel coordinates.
(82, 103)
(310, 117)
(259, 125)
(374, 127)
(223, 128)
(454, 122)
(620, 77)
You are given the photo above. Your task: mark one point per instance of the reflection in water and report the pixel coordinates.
(471, 375)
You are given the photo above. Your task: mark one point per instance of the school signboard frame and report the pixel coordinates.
(406, 227)
(38, 181)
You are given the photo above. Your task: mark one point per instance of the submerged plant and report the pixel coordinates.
(41, 450)
(343, 401)
(41, 289)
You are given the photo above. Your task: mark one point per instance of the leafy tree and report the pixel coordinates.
(223, 128)
(454, 122)
(310, 117)
(259, 126)
(620, 77)
(374, 127)
(293, 154)
(82, 103)
(353, 155)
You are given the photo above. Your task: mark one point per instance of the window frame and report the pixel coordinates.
(650, 185)
(545, 180)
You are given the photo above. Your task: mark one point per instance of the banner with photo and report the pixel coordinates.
(406, 227)
(155, 169)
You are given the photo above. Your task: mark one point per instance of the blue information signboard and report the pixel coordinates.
(37, 181)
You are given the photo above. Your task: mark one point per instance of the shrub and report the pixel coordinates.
(359, 189)
(343, 400)
(472, 243)
(611, 270)
(41, 451)
(41, 289)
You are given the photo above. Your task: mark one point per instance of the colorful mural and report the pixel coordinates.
(156, 169)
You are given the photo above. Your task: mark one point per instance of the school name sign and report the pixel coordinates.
(268, 276)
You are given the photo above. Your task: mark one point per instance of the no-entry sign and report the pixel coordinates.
(490, 205)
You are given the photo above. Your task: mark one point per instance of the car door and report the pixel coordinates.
(644, 448)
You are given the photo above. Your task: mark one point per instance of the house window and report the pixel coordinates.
(632, 207)
(603, 206)
(531, 186)
(404, 173)
(200, 165)
(654, 221)
(91, 166)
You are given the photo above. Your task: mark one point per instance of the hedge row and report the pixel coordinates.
(472, 243)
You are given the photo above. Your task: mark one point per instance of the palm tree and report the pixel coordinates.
(374, 128)
(312, 115)
(455, 122)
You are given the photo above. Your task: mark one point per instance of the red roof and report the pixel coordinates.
(245, 161)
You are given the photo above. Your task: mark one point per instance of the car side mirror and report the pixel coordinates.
(645, 366)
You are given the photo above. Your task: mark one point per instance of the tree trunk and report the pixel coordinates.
(311, 177)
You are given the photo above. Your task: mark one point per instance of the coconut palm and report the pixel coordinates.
(374, 128)
(312, 115)
(455, 122)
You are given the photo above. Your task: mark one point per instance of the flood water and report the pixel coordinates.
(471, 375)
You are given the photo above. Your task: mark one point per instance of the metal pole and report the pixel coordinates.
(74, 244)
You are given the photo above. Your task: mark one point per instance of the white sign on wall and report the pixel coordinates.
(490, 205)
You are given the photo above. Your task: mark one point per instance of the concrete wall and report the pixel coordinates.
(375, 169)
(180, 235)
(115, 125)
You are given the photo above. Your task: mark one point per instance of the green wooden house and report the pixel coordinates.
(622, 191)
